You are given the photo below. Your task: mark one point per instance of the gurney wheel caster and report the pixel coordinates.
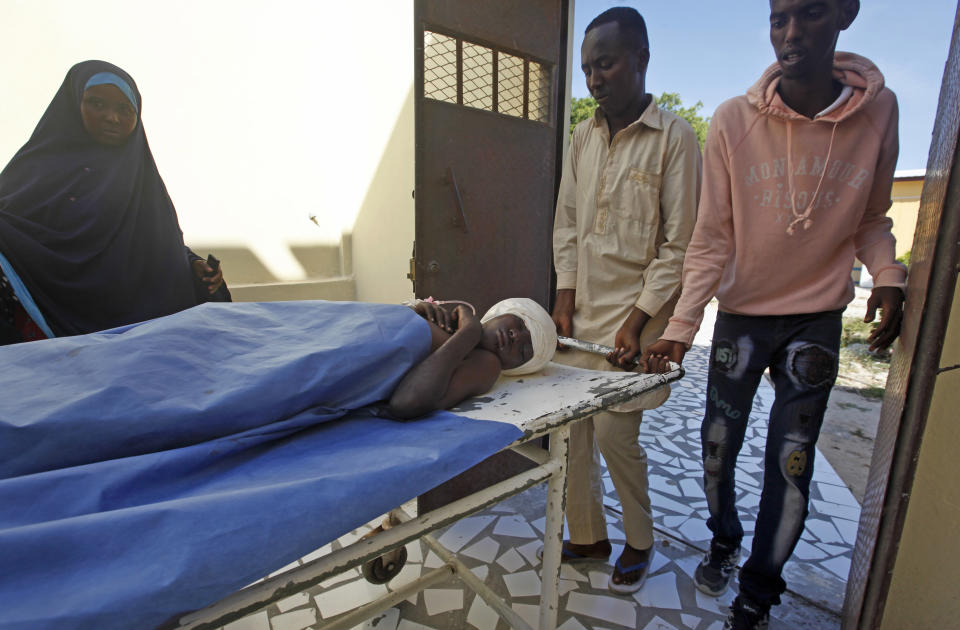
(386, 567)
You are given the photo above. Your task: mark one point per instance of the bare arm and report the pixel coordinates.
(475, 375)
(454, 371)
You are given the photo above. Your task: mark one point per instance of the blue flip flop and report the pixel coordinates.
(633, 587)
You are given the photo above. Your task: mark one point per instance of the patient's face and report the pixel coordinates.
(507, 337)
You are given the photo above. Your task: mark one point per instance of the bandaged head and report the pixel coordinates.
(543, 332)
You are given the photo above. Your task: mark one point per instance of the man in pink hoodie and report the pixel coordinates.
(797, 181)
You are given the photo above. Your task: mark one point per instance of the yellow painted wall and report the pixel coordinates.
(259, 114)
(904, 211)
(924, 593)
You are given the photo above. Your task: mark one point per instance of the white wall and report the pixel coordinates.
(259, 113)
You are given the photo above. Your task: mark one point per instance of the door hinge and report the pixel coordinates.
(412, 274)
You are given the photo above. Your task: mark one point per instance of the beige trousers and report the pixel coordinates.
(616, 432)
(616, 436)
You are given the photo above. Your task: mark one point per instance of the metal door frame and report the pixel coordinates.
(915, 366)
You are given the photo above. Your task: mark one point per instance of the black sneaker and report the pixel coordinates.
(747, 615)
(715, 571)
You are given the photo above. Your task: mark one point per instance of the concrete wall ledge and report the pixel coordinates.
(334, 289)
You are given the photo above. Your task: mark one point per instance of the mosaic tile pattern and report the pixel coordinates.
(500, 546)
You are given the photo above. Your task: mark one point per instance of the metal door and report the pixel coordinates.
(489, 87)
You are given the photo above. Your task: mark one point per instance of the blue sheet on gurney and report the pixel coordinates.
(153, 469)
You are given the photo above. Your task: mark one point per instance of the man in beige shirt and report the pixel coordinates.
(625, 213)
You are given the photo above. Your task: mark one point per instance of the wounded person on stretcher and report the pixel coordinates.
(467, 353)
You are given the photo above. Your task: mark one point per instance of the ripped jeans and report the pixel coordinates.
(801, 352)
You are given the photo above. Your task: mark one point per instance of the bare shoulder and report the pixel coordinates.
(483, 368)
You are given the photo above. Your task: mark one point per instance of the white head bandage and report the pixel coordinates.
(543, 332)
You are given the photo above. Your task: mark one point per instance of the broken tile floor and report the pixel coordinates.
(500, 546)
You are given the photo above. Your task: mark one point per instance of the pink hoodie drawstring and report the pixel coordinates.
(804, 217)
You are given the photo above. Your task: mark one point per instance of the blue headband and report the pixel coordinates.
(109, 78)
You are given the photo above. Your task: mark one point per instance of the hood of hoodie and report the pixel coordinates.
(849, 69)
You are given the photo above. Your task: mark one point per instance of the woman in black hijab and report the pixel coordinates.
(86, 225)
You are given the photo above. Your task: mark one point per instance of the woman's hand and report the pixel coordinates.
(435, 314)
(205, 274)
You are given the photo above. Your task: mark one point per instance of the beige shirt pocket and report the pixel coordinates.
(633, 204)
(640, 196)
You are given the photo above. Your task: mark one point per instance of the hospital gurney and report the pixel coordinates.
(537, 405)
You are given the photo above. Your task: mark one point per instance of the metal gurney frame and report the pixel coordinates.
(552, 399)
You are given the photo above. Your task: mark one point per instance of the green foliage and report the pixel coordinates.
(905, 259)
(871, 392)
(580, 110)
(671, 102)
(855, 330)
(583, 108)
